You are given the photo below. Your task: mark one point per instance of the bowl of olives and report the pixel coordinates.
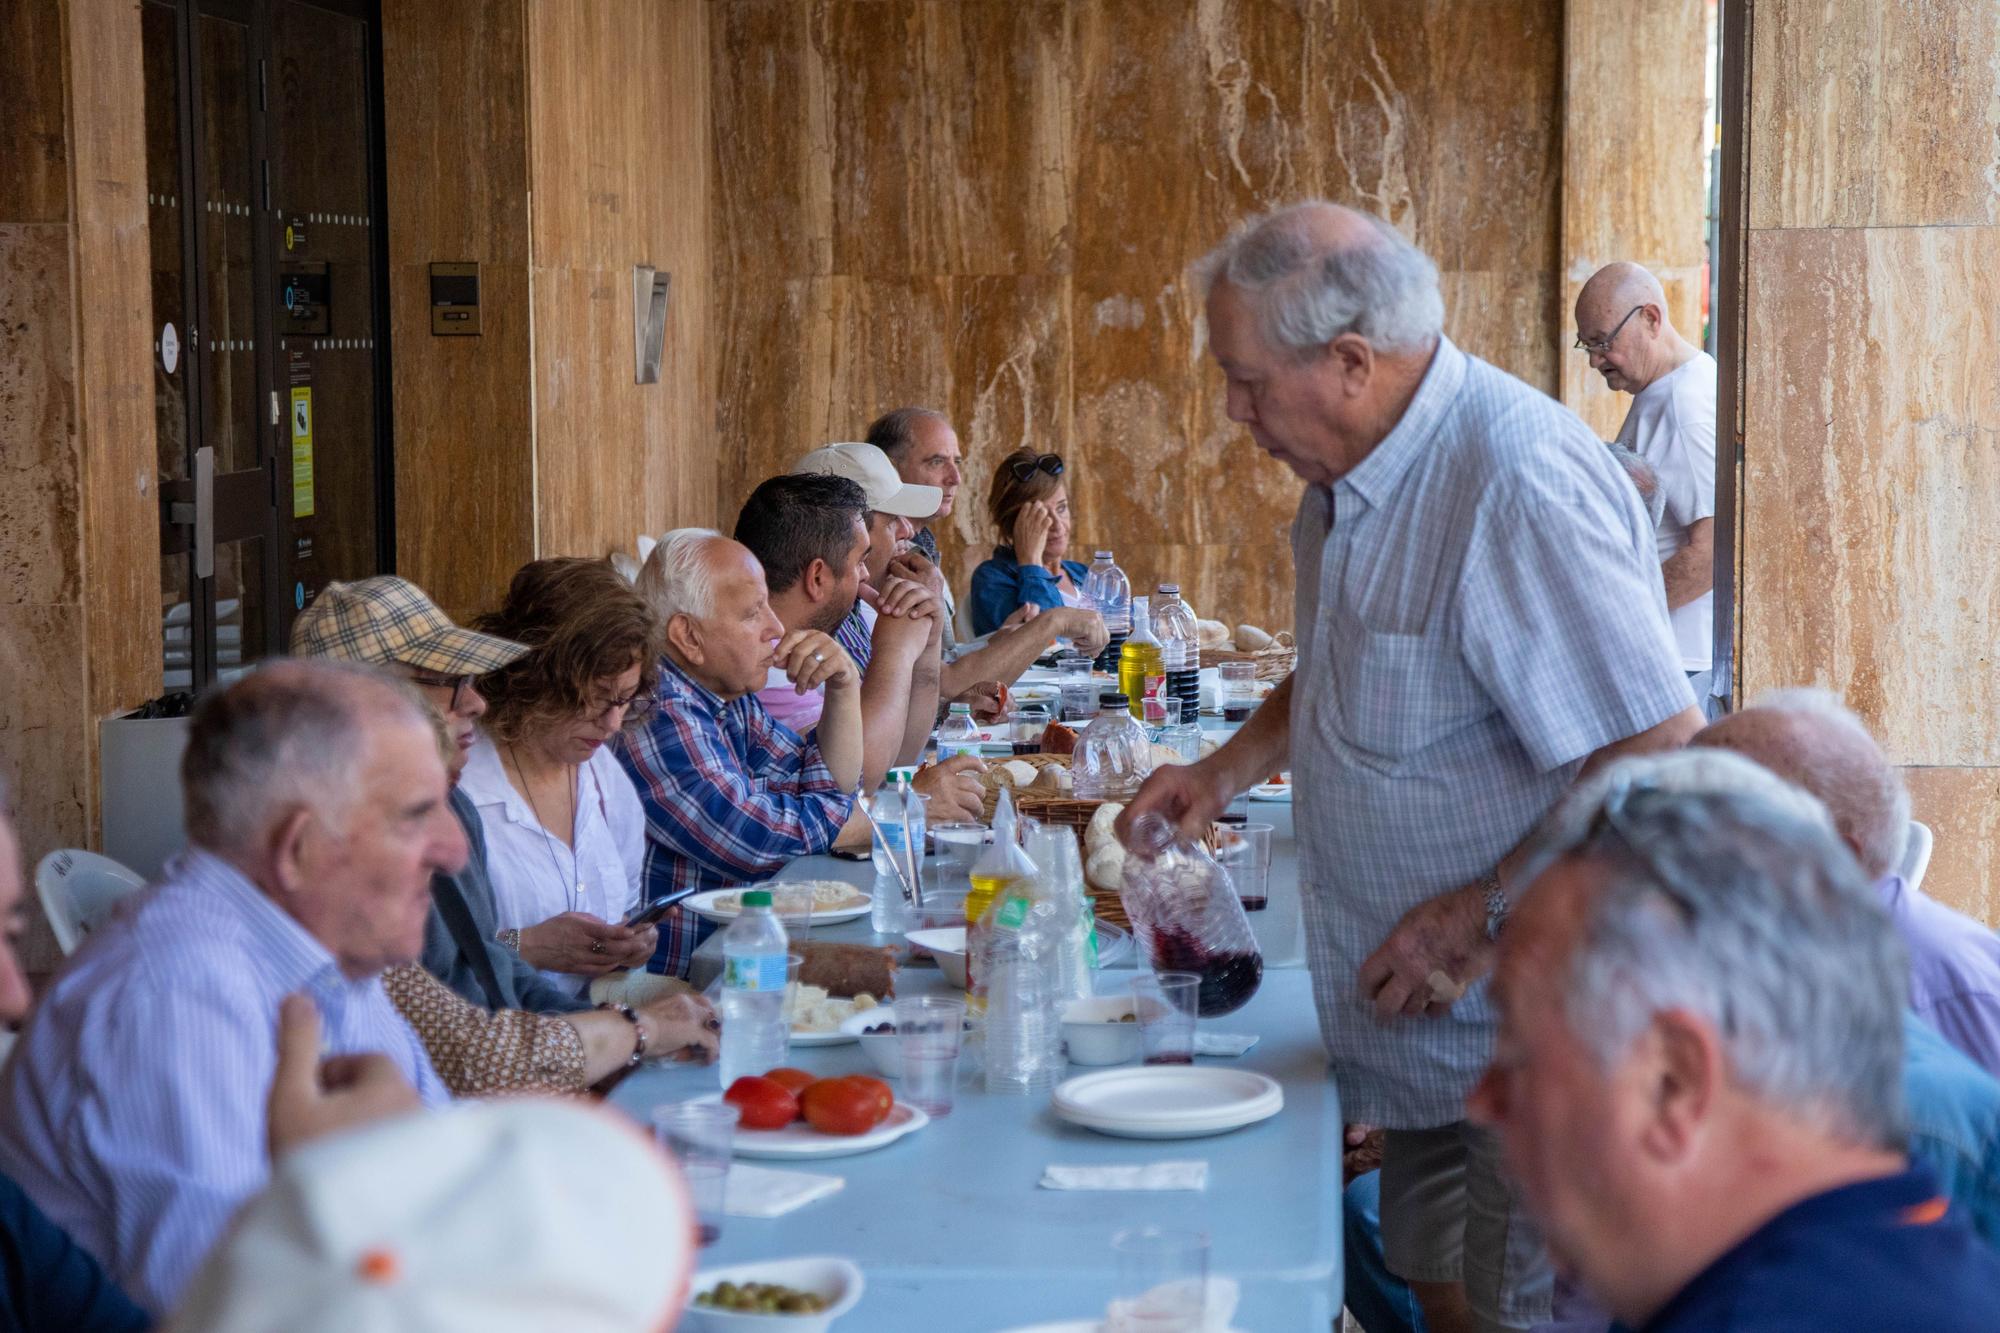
(776, 1296)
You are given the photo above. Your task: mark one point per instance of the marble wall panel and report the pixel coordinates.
(1878, 114)
(41, 546)
(619, 163)
(1872, 475)
(34, 150)
(895, 177)
(1962, 807)
(1635, 141)
(455, 92)
(44, 732)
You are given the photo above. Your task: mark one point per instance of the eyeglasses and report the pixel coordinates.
(1049, 463)
(1618, 816)
(458, 685)
(1599, 346)
(637, 707)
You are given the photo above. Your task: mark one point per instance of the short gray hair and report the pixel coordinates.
(1308, 292)
(1863, 789)
(676, 579)
(291, 733)
(1739, 904)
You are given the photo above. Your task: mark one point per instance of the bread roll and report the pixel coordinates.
(1017, 773)
(1106, 867)
(1099, 834)
(1211, 633)
(1249, 638)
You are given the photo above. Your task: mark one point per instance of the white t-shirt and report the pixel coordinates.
(534, 875)
(1672, 426)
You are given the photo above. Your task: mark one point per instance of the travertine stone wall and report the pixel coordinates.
(1634, 140)
(989, 206)
(1871, 427)
(79, 530)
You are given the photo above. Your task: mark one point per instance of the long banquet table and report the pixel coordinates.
(951, 1230)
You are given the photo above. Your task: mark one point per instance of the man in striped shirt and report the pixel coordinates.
(134, 1109)
(732, 796)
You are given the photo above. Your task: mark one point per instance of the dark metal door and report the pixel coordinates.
(263, 156)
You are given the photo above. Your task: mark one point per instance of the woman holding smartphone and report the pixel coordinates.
(565, 833)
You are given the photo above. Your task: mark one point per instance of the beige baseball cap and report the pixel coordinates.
(868, 466)
(386, 619)
(527, 1214)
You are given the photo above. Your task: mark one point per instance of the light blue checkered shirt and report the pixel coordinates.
(132, 1109)
(1479, 607)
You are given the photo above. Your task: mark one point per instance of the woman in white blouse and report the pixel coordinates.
(565, 833)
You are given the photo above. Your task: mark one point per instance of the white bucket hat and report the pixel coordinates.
(869, 467)
(530, 1215)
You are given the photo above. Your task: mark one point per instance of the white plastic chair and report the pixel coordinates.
(1916, 854)
(78, 889)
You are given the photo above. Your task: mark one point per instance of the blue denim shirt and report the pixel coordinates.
(1003, 584)
(1954, 1124)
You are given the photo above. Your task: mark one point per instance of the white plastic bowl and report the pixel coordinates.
(836, 1279)
(884, 1048)
(1094, 1034)
(947, 945)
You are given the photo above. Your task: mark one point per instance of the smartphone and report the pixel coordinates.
(647, 914)
(851, 853)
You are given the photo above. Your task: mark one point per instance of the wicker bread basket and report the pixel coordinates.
(996, 780)
(1273, 663)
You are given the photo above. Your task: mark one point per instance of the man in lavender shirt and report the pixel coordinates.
(1810, 739)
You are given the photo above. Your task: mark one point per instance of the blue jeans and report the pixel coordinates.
(1382, 1301)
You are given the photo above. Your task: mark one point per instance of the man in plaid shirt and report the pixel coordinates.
(730, 795)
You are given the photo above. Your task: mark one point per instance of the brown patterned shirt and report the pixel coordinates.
(482, 1054)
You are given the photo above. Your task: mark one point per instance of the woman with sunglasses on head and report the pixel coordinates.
(565, 833)
(1028, 574)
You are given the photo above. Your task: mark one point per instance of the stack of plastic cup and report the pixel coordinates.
(1023, 1040)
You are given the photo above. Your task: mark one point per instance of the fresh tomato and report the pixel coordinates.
(762, 1103)
(798, 1080)
(841, 1106)
(884, 1098)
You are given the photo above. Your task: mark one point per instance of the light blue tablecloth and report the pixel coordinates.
(955, 1237)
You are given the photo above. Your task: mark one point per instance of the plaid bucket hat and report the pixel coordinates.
(387, 619)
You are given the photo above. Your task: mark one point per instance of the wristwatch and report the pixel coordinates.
(1497, 905)
(626, 1012)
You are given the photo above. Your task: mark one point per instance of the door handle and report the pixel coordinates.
(204, 512)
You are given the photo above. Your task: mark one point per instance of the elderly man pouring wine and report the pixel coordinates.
(1480, 617)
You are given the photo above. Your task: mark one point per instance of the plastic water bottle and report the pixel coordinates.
(1180, 649)
(755, 1035)
(891, 913)
(957, 735)
(1108, 592)
(1112, 756)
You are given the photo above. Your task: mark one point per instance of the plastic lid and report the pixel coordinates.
(1104, 555)
(962, 708)
(757, 898)
(1170, 589)
(1113, 699)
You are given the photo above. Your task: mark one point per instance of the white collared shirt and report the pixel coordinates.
(535, 875)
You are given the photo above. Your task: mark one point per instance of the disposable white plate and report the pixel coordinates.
(800, 1140)
(703, 905)
(838, 1037)
(1272, 791)
(1070, 1326)
(1168, 1101)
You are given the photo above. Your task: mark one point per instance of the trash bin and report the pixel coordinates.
(139, 784)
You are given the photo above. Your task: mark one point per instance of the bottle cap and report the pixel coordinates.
(962, 708)
(1113, 699)
(757, 898)
(1170, 589)
(1104, 555)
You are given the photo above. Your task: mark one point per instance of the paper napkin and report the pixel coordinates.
(761, 1191)
(1152, 1176)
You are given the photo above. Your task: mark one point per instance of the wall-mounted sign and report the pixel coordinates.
(295, 234)
(304, 294)
(170, 347)
(455, 299)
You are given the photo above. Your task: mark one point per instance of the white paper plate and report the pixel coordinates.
(1071, 1326)
(703, 906)
(1168, 1101)
(1269, 791)
(800, 1140)
(838, 1037)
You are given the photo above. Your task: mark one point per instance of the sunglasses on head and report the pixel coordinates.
(1049, 463)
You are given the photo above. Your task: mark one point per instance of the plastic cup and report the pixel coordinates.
(792, 904)
(1165, 1005)
(699, 1136)
(929, 1031)
(958, 847)
(1073, 667)
(1248, 862)
(794, 964)
(1025, 726)
(1162, 1281)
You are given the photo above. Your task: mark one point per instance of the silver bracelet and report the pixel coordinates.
(510, 940)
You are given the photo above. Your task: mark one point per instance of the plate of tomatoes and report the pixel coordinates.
(790, 1113)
